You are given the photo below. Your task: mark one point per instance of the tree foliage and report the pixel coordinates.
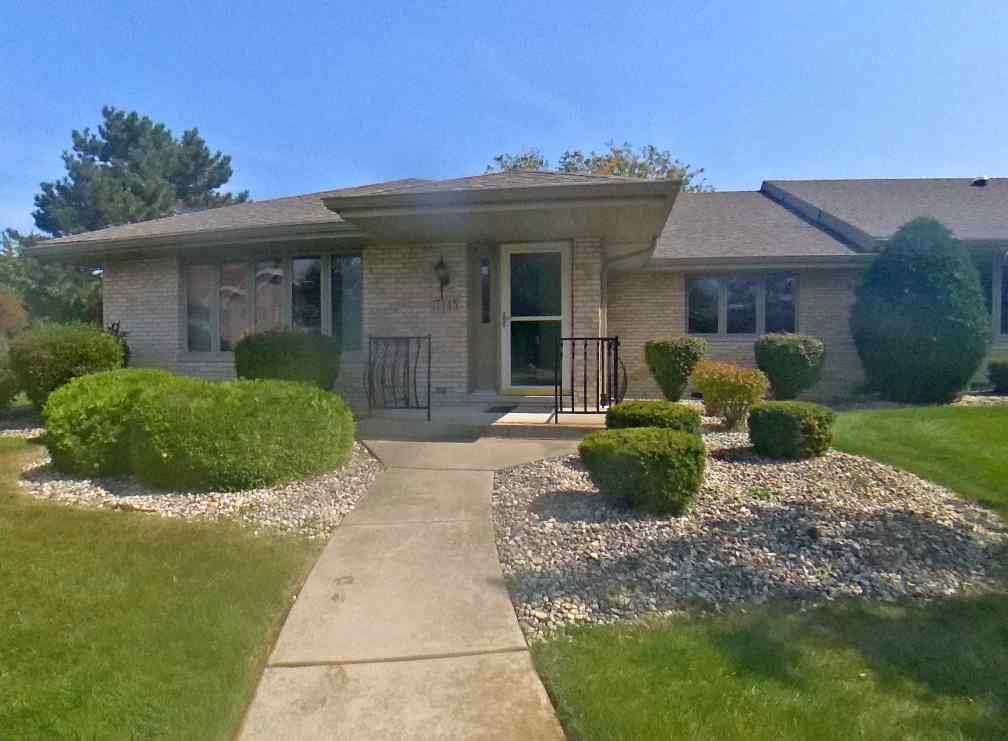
(59, 293)
(132, 169)
(615, 160)
(920, 322)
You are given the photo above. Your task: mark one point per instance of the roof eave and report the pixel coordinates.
(790, 262)
(84, 249)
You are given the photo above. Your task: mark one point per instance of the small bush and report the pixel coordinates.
(997, 371)
(729, 390)
(49, 355)
(198, 435)
(791, 429)
(13, 317)
(653, 414)
(792, 362)
(920, 321)
(89, 420)
(8, 386)
(672, 361)
(289, 356)
(656, 470)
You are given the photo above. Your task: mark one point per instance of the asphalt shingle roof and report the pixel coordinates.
(880, 207)
(740, 224)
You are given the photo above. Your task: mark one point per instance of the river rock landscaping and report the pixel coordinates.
(760, 530)
(313, 506)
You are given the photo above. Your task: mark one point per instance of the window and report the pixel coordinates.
(485, 290)
(704, 298)
(346, 295)
(235, 303)
(1004, 300)
(742, 304)
(224, 301)
(201, 282)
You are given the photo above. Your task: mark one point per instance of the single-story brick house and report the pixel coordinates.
(498, 267)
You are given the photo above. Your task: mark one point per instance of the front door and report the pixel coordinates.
(535, 306)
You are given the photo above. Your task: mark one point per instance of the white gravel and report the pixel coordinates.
(314, 507)
(759, 530)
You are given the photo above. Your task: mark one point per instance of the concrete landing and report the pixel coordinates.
(404, 628)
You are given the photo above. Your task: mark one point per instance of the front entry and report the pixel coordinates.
(535, 307)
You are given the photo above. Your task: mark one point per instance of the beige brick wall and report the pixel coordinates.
(402, 297)
(646, 306)
(144, 296)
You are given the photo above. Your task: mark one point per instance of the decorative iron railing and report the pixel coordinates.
(589, 367)
(398, 374)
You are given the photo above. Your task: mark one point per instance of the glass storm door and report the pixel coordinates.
(534, 310)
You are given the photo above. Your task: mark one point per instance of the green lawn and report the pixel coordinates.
(965, 449)
(121, 625)
(848, 670)
(853, 670)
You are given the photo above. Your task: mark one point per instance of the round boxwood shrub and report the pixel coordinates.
(790, 429)
(49, 355)
(997, 371)
(792, 362)
(729, 390)
(919, 321)
(199, 435)
(653, 414)
(288, 356)
(655, 470)
(672, 361)
(89, 420)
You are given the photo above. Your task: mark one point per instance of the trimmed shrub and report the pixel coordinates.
(672, 361)
(653, 414)
(792, 362)
(920, 322)
(655, 470)
(729, 390)
(49, 355)
(790, 429)
(199, 435)
(997, 371)
(289, 356)
(8, 386)
(89, 420)
(13, 317)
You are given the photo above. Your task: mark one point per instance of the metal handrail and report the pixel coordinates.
(598, 354)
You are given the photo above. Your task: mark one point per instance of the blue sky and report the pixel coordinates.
(309, 96)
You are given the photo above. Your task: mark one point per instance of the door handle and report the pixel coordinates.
(504, 319)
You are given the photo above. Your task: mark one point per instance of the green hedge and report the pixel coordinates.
(289, 356)
(790, 429)
(920, 321)
(997, 371)
(656, 470)
(792, 362)
(89, 420)
(199, 435)
(49, 355)
(8, 387)
(653, 414)
(672, 361)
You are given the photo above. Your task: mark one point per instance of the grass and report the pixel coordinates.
(844, 671)
(123, 625)
(962, 448)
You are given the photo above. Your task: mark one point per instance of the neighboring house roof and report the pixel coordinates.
(868, 210)
(736, 225)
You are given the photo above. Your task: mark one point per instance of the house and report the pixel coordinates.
(497, 268)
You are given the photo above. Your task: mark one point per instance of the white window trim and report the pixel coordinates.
(723, 278)
(287, 319)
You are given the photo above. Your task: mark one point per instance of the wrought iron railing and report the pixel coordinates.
(589, 367)
(398, 374)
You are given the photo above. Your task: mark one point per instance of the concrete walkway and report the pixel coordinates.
(404, 628)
